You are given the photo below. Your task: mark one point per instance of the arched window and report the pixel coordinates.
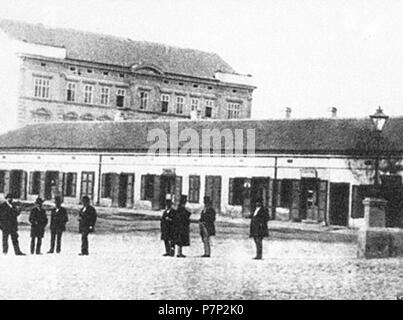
(41, 115)
(70, 116)
(87, 117)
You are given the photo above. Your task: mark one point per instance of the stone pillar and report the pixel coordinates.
(374, 213)
(373, 238)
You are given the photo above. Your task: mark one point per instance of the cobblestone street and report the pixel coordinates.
(129, 265)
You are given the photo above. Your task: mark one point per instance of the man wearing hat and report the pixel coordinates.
(58, 220)
(9, 224)
(258, 227)
(38, 220)
(86, 223)
(167, 232)
(206, 224)
(181, 224)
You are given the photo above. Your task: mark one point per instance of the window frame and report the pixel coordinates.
(179, 106)
(120, 94)
(209, 105)
(70, 189)
(194, 104)
(194, 189)
(41, 87)
(88, 94)
(144, 96)
(165, 99)
(105, 96)
(73, 92)
(234, 110)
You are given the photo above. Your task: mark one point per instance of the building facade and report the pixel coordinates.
(62, 74)
(302, 169)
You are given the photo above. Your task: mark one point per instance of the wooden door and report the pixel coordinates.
(339, 199)
(295, 200)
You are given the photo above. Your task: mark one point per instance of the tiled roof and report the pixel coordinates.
(311, 136)
(106, 49)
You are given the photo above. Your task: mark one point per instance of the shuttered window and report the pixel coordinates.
(2, 180)
(194, 189)
(106, 185)
(236, 188)
(147, 187)
(87, 184)
(35, 182)
(70, 184)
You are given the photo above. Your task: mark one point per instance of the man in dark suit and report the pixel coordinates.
(38, 220)
(86, 218)
(58, 220)
(167, 232)
(258, 227)
(207, 227)
(181, 222)
(9, 224)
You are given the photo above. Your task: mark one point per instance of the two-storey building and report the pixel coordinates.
(53, 74)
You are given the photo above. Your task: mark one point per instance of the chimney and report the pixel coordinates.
(334, 112)
(288, 113)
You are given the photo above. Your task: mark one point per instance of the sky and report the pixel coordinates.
(308, 55)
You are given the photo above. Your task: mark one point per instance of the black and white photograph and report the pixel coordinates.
(220, 151)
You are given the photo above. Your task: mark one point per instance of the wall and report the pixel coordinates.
(332, 169)
(61, 71)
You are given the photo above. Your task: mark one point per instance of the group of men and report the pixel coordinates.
(175, 227)
(38, 219)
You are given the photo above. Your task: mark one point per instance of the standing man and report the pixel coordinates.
(207, 227)
(58, 220)
(167, 232)
(9, 224)
(258, 227)
(86, 219)
(181, 223)
(38, 220)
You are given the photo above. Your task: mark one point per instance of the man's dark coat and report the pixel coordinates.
(258, 223)
(87, 219)
(181, 222)
(8, 218)
(167, 226)
(207, 217)
(38, 220)
(58, 220)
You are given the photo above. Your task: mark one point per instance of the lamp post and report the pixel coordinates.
(379, 120)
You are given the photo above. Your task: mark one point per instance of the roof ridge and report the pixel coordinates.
(89, 32)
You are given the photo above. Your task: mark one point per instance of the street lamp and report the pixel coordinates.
(379, 120)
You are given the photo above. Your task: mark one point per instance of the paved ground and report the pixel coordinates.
(129, 265)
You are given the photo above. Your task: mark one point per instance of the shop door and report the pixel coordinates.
(339, 199)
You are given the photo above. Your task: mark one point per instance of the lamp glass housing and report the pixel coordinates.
(379, 119)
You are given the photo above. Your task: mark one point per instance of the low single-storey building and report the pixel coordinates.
(312, 169)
